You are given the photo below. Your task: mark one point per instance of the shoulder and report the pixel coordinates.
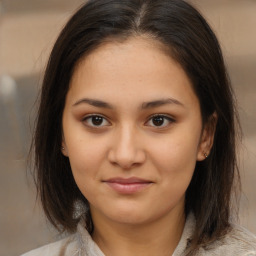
(238, 242)
(80, 243)
(64, 247)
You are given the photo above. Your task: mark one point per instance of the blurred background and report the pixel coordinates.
(28, 29)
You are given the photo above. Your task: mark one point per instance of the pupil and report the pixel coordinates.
(97, 120)
(158, 121)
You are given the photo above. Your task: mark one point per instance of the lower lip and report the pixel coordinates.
(128, 188)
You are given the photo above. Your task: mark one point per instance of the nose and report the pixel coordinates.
(126, 150)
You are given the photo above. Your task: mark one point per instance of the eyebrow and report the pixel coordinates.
(158, 103)
(95, 103)
(145, 105)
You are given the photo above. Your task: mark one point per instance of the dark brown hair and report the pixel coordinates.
(191, 42)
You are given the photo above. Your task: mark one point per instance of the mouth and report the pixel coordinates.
(128, 186)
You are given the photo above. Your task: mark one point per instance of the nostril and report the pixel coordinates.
(126, 160)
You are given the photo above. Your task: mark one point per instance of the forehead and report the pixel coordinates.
(123, 52)
(137, 67)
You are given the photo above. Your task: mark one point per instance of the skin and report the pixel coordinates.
(127, 143)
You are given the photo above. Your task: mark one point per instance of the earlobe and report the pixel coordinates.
(64, 149)
(207, 137)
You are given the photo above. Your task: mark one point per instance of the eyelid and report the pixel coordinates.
(92, 115)
(165, 116)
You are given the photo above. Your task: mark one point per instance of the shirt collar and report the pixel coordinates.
(90, 248)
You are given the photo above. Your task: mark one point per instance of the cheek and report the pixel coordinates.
(86, 157)
(176, 150)
(175, 159)
(85, 165)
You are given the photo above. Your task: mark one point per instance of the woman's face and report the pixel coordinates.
(132, 130)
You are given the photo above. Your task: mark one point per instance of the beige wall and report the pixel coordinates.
(27, 31)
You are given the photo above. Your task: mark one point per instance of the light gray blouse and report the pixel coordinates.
(238, 242)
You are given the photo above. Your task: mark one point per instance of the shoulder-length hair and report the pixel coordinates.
(191, 42)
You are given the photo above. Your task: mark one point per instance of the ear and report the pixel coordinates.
(64, 148)
(207, 137)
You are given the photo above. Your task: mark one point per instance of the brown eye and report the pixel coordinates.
(160, 121)
(95, 121)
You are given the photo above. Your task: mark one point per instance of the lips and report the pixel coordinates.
(128, 185)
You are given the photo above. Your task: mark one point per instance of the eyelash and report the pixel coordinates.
(86, 118)
(164, 117)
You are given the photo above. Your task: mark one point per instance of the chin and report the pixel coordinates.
(131, 219)
(128, 215)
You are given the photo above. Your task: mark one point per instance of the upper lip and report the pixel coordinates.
(130, 180)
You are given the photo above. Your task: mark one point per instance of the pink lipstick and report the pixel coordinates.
(128, 186)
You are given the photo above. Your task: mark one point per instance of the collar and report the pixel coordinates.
(90, 248)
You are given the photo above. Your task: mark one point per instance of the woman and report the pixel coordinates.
(135, 143)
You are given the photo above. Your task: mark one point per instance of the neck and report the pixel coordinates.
(147, 239)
